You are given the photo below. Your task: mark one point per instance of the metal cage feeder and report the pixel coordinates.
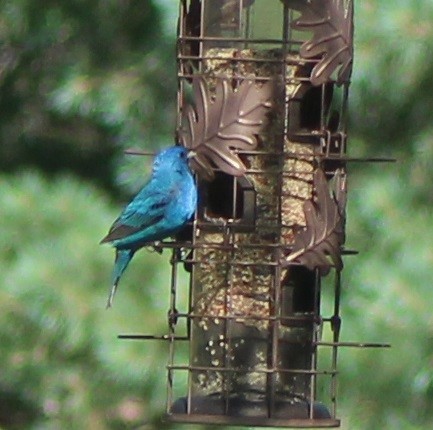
(271, 217)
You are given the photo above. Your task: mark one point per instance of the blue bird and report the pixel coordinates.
(162, 207)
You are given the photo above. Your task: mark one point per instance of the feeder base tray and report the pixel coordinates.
(238, 411)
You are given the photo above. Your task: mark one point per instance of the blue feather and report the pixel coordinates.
(162, 207)
(123, 257)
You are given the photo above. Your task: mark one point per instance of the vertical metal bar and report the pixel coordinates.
(247, 29)
(240, 20)
(172, 325)
(183, 12)
(228, 322)
(336, 320)
(275, 324)
(193, 265)
(325, 142)
(322, 107)
(235, 197)
(275, 302)
(286, 52)
(191, 309)
(169, 401)
(335, 326)
(315, 339)
(343, 144)
(228, 300)
(343, 118)
(343, 109)
(287, 29)
(201, 43)
(180, 65)
(173, 284)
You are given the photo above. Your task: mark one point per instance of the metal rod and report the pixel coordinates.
(132, 151)
(335, 327)
(229, 240)
(242, 40)
(316, 313)
(242, 317)
(189, 321)
(254, 421)
(264, 370)
(355, 344)
(275, 328)
(167, 337)
(219, 246)
(172, 326)
(151, 337)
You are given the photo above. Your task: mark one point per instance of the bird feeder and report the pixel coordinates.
(262, 97)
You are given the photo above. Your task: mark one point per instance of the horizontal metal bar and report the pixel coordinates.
(249, 370)
(193, 418)
(234, 263)
(303, 156)
(364, 159)
(310, 319)
(151, 337)
(257, 78)
(242, 40)
(133, 151)
(289, 60)
(298, 318)
(354, 344)
(349, 252)
(231, 247)
(330, 344)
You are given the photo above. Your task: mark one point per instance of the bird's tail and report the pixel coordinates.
(123, 257)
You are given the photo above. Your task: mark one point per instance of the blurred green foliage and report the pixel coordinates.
(59, 351)
(80, 81)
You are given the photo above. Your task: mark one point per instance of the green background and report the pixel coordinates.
(81, 80)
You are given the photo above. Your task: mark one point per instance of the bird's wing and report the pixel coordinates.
(143, 211)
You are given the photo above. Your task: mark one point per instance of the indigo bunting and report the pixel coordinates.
(162, 207)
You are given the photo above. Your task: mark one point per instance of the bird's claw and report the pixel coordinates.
(156, 247)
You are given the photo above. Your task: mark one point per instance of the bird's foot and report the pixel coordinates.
(156, 247)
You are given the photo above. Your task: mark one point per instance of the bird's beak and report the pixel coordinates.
(191, 154)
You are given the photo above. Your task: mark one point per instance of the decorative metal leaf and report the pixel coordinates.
(331, 22)
(318, 245)
(229, 120)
